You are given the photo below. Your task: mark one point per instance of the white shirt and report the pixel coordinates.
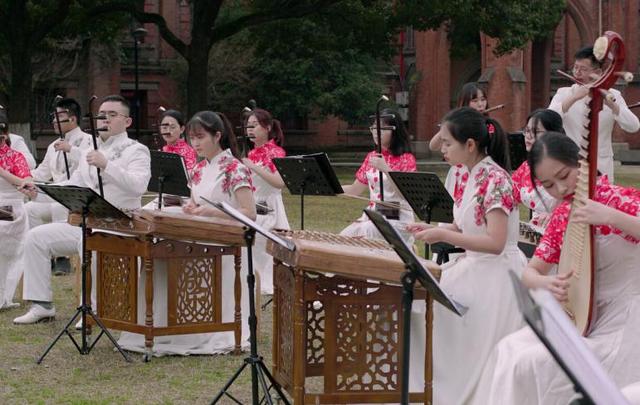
(575, 119)
(18, 143)
(52, 166)
(126, 177)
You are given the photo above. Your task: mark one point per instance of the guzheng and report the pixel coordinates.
(192, 249)
(338, 320)
(172, 225)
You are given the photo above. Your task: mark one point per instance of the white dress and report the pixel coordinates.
(370, 176)
(217, 181)
(521, 370)
(11, 232)
(266, 194)
(479, 281)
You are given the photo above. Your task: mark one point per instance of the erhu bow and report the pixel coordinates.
(94, 136)
(578, 248)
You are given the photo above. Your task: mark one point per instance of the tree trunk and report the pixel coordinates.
(197, 80)
(20, 93)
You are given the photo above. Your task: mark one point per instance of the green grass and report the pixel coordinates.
(102, 377)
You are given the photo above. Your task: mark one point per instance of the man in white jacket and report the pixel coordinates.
(125, 167)
(572, 104)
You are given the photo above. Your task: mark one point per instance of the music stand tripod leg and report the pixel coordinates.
(85, 308)
(408, 282)
(253, 360)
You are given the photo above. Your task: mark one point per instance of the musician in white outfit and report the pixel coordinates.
(572, 104)
(52, 168)
(521, 370)
(125, 169)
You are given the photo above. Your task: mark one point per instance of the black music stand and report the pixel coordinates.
(517, 149)
(414, 271)
(168, 175)
(83, 201)
(258, 370)
(426, 195)
(308, 175)
(556, 331)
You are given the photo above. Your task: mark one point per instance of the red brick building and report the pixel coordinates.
(523, 80)
(426, 78)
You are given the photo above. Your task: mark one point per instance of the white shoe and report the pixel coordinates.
(9, 305)
(37, 313)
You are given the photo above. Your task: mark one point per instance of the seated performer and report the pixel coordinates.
(396, 156)
(267, 137)
(521, 370)
(572, 104)
(17, 142)
(13, 222)
(486, 226)
(471, 95)
(219, 177)
(125, 169)
(535, 198)
(171, 129)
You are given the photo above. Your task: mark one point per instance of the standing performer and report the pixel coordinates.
(521, 370)
(396, 156)
(14, 170)
(572, 104)
(219, 177)
(125, 167)
(171, 129)
(471, 95)
(535, 197)
(486, 226)
(267, 137)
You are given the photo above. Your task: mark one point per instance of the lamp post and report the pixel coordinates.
(138, 34)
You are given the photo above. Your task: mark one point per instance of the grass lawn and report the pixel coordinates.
(103, 377)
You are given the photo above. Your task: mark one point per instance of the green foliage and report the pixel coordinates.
(513, 22)
(325, 64)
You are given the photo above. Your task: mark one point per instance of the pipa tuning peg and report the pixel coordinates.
(626, 76)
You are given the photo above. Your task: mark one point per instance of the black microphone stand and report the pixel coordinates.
(62, 135)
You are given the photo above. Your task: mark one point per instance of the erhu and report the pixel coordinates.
(59, 122)
(578, 248)
(243, 138)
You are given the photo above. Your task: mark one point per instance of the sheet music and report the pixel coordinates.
(407, 255)
(571, 347)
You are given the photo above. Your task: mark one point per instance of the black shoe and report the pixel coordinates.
(62, 266)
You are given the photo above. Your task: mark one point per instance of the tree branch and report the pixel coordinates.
(152, 18)
(48, 23)
(281, 13)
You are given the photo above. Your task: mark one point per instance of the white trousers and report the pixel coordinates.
(40, 213)
(41, 243)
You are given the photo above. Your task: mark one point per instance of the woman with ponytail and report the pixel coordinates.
(486, 226)
(265, 133)
(220, 176)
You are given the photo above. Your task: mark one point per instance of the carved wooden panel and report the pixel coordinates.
(194, 290)
(284, 297)
(117, 287)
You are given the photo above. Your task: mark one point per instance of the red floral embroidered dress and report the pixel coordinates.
(479, 281)
(370, 176)
(182, 148)
(540, 202)
(11, 232)
(522, 371)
